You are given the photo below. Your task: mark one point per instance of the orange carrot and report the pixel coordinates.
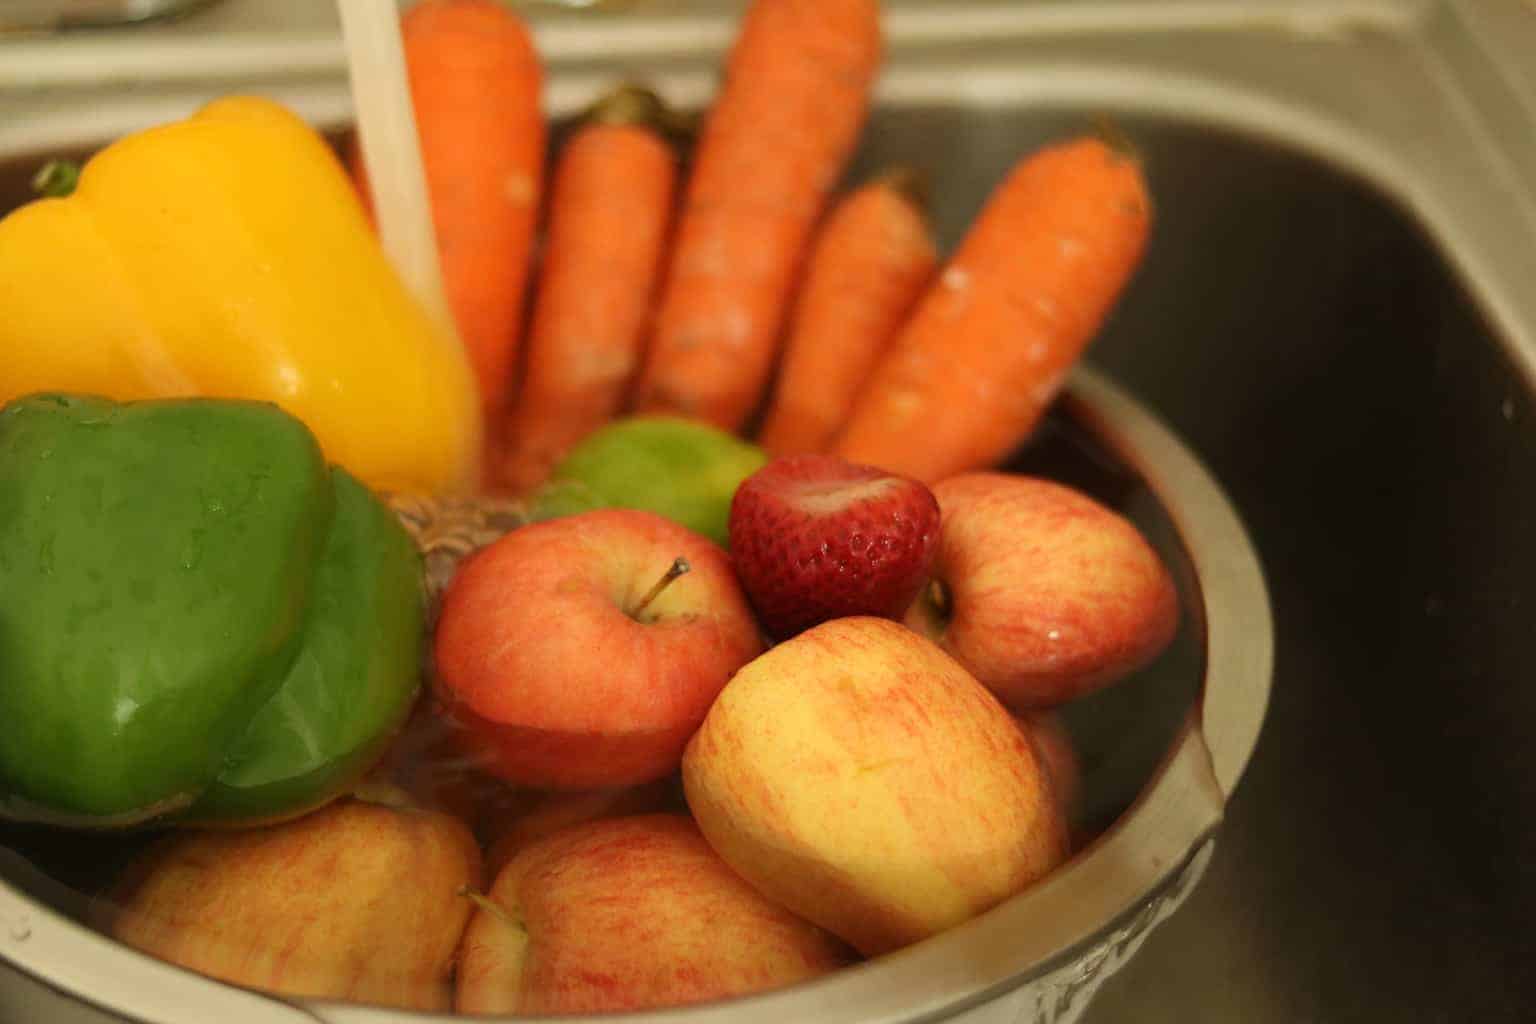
(609, 212)
(476, 86)
(795, 94)
(870, 263)
(991, 342)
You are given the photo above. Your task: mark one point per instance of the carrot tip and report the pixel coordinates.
(1108, 131)
(633, 104)
(915, 184)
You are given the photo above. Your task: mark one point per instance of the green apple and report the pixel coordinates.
(681, 469)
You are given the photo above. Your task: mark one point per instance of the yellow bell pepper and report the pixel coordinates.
(227, 255)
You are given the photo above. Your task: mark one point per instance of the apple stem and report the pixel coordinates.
(938, 597)
(678, 568)
(491, 907)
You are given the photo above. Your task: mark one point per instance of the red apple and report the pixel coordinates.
(815, 537)
(571, 662)
(355, 901)
(1043, 593)
(629, 914)
(1057, 753)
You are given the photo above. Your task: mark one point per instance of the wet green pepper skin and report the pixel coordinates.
(197, 616)
(155, 561)
(353, 681)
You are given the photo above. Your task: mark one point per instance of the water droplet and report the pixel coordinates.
(21, 929)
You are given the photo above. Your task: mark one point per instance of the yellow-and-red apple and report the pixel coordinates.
(629, 914)
(575, 655)
(355, 901)
(1041, 592)
(859, 776)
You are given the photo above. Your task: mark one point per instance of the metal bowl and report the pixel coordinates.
(1036, 958)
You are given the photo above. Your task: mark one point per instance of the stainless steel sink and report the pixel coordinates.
(1338, 313)
(1377, 433)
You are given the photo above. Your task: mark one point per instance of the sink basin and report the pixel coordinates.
(1312, 341)
(1337, 315)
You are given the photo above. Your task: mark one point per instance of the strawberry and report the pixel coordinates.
(814, 538)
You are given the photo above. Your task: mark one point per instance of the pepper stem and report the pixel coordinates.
(678, 568)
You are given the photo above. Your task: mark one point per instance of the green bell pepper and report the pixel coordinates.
(198, 618)
(350, 688)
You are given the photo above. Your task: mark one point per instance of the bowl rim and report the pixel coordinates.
(1118, 876)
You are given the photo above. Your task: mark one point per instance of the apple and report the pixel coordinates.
(355, 901)
(859, 776)
(682, 469)
(582, 652)
(548, 813)
(629, 914)
(1041, 592)
(1057, 753)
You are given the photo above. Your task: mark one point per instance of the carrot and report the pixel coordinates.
(796, 90)
(476, 86)
(870, 263)
(609, 212)
(992, 340)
